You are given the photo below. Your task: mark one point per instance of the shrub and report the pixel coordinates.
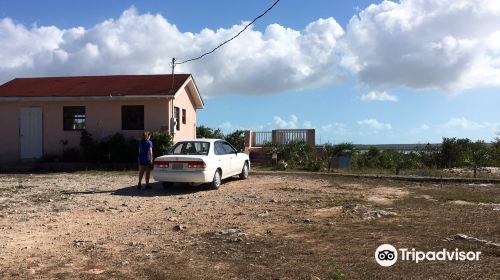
(71, 155)
(206, 132)
(237, 139)
(282, 165)
(296, 153)
(162, 141)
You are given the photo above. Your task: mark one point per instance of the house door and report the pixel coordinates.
(31, 133)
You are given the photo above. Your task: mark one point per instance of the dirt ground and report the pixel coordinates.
(96, 225)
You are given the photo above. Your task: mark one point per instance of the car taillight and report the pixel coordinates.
(161, 164)
(196, 164)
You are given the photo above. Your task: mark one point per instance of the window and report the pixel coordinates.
(228, 148)
(190, 148)
(219, 149)
(74, 118)
(177, 118)
(133, 117)
(183, 116)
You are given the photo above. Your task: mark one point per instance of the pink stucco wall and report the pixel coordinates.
(103, 118)
(185, 101)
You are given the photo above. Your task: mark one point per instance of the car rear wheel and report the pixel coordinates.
(167, 185)
(216, 181)
(244, 171)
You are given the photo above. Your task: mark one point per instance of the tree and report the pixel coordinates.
(372, 157)
(332, 151)
(206, 132)
(237, 139)
(477, 155)
(495, 151)
(454, 152)
(428, 156)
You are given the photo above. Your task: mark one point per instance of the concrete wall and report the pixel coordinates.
(185, 101)
(103, 118)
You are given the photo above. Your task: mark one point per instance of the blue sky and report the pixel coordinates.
(409, 72)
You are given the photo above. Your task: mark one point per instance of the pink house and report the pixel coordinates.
(36, 114)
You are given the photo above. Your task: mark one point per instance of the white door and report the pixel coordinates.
(31, 133)
(223, 159)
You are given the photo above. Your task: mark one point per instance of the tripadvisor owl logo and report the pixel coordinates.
(386, 255)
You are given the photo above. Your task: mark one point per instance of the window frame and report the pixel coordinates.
(177, 112)
(128, 109)
(73, 114)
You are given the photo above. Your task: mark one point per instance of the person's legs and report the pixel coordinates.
(141, 173)
(148, 171)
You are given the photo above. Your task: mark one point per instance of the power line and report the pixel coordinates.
(228, 40)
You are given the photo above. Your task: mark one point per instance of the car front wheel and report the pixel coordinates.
(244, 171)
(216, 181)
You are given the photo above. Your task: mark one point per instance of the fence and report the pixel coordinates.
(279, 136)
(260, 138)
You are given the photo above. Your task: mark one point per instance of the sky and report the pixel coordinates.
(366, 72)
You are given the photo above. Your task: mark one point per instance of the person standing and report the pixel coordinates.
(145, 159)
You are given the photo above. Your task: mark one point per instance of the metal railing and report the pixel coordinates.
(281, 136)
(259, 138)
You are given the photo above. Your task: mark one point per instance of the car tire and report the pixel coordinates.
(216, 181)
(244, 171)
(167, 185)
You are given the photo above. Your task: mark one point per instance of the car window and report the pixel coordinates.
(228, 148)
(219, 149)
(190, 148)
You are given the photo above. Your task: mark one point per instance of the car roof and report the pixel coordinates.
(210, 140)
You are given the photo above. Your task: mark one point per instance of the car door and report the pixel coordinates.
(223, 159)
(231, 151)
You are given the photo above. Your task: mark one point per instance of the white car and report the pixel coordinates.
(200, 161)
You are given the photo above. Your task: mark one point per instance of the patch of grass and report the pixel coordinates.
(469, 194)
(335, 273)
(470, 197)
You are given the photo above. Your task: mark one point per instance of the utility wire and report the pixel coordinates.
(228, 40)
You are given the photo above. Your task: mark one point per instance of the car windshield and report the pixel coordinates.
(190, 148)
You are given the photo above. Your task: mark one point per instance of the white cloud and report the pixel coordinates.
(424, 127)
(463, 123)
(374, 124)
(335, 128)
(281, 123)
(378, 96)
(446, 44)
(258, 63)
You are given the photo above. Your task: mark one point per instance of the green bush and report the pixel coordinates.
(117, 148)
(206, 132)
(296, 153)
(71, 155)
(237, 139)
(162, 141)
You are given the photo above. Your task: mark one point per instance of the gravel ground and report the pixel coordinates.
(96, 225)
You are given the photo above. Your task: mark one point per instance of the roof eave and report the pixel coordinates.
(194, 90)
(82, 98)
